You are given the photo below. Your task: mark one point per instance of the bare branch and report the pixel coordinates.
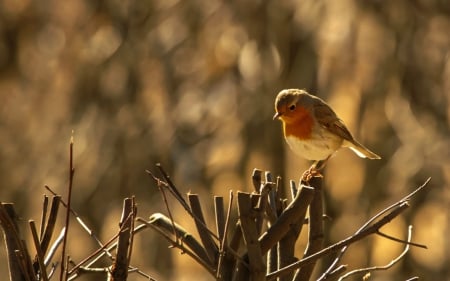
(119, 270)
(163, 226)
(362, 228)
(250, 234)
(315, 235)
(20, 266)
(43, 216)
(401, 241)
(203, 231)
(39, 254)
(385, 267)
(294, 212)
(63, 273)
(79, 220)
(224, 265)
(341, 244)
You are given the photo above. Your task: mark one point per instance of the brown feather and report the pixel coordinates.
(328, 119)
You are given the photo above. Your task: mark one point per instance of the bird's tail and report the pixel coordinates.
(361, 150)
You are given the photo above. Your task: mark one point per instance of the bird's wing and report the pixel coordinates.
(328, 119)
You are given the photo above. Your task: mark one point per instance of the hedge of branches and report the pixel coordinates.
(257, 244)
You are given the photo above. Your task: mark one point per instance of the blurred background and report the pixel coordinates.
(191, 84)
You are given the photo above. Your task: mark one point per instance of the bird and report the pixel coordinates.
(312, 129)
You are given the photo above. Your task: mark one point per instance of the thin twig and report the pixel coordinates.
(396, 204)
(166, 203)
(401, 241)
(341, 244)
(107, 248)
(81, 222)
(385, 267)
(54, 247)
(180, 246)
(63, 273)
(99, 250)
(132, 223)
(172, 188)
(335, 274)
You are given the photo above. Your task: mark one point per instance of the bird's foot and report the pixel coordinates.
(312, 172)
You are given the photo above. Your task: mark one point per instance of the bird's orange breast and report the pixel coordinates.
(300, 124)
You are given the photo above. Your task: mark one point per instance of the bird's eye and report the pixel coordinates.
(292, 107)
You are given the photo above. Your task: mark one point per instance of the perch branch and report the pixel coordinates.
(315, 235)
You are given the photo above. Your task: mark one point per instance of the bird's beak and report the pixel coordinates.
(277, 115)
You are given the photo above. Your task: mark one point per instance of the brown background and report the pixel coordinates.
(191, 84)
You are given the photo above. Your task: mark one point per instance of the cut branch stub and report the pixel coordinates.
(250, 234)
(293, 213)
(19, 261)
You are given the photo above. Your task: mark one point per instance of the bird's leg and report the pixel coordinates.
(319, 165)
(314, 170)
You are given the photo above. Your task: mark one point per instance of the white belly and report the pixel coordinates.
(314, 150)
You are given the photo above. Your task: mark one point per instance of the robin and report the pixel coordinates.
(312, 129)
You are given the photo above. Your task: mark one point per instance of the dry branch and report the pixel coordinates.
(405, 199)
(315, 235)
(39, 254)
(294, 212)
(341, 244)
(63, 274)
(119, 271)
(19, 261)
(50, 225)
(204, 233)
(165, 227)
(385, 267)
(250, 234)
